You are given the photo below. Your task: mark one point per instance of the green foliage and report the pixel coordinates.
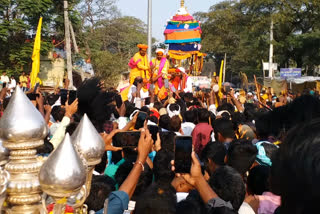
(242, 28)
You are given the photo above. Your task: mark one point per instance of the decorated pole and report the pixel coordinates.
(68, 43)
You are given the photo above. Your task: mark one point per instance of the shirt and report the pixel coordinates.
(23, 80)
(60, 132)
(201, 135)
(4, 79)
(187, 128)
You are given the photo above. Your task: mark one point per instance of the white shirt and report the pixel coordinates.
(133, 89)
(13, 83)
(188, 88)
(187, 128)
(246, 209)
(4, 79)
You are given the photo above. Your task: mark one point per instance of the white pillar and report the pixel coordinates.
(271, 51)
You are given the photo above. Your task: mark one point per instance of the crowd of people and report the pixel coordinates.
(249, 155)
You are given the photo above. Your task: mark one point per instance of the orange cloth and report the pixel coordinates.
(142, 46)
(183, 35)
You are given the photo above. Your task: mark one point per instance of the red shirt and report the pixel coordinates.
(201, 136)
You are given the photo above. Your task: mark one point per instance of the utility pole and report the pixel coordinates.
(149, 28)
(224, 67)
(76, 49)
(68, 42)
(271, 51)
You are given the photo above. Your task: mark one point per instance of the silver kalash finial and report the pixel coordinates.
(22, 130)
(63, 174)
(88, 141)
(91, 146)
(21, 121)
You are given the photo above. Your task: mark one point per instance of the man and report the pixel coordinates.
(4, 78)
(23, 79)
(181, 81)
(160, 72)
(12, 84)
(139, 64)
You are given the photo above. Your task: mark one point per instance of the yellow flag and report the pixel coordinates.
(36, 56)
(220, 79)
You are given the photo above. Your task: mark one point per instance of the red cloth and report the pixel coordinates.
(201, 136)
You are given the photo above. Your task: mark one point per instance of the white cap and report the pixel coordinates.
(160, 50)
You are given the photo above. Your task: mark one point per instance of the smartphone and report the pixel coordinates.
(36, 88)
(166, 83)
(72, 96)
(4, 85)
(118, 100)
(182, 152)
(142, 116)
(63, 96)
(154, 130)
(126, 139)
(32, 96)
(228, 89)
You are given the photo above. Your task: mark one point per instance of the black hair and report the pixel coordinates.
(241, 155)
(58, 113)
(167, 141)
(190, 116)
(226, 107)
(146, 110)
(258, 180)
(98, 194)
(298, 168)
(52, 98)
(174, 107)
(154, 119)
(100, 168)
(224, 127)
(164, 121)
(46, 148)
(144, 181)
(216, 152)
(203, 115)
(269, 149)
(157, 199)
(175, 124)
(163, 174)
(188, 207)
(228, 185)
(71, 128)
(157, 105)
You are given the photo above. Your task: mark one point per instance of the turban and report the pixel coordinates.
(142, 46)
(181, 69)
(160, 50)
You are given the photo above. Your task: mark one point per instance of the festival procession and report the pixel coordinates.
(215, 110)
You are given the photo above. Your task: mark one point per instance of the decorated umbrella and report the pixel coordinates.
(183, 34)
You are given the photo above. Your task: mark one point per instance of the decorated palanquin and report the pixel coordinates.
(183, 34)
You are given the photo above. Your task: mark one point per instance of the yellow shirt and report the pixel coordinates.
(165, 69)
(23, 80)
(142, 69)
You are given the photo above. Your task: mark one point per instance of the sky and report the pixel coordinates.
(162, 11)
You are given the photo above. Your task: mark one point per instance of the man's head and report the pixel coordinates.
(213, 156)
(203, 115)
(164, 122)
(175, 124)
(241, 155)
(137, 80)
(142, 49)
(23, 73)
(160, 53)
(98, 194)
(228, 185)
(4, 73)
(297, 165)
(58, 113)
(190, 116)
(223, 130)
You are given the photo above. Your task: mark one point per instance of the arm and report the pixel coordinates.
(236, 101)
(48, 113)
(60, 133)
(144, 147)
